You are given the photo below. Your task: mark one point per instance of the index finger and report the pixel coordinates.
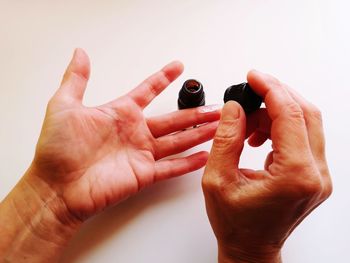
(144, 93)
(288, 130)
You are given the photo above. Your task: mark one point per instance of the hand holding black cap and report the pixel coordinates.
(244, 95)
(191, 95)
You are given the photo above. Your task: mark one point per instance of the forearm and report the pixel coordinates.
(34, 223)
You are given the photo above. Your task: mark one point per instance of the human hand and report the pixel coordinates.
(253, 212)
(88, 158)
(93, 157)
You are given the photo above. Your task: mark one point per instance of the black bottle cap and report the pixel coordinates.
(191, 95)
(244, 95)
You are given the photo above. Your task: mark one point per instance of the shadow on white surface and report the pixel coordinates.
(113, 221)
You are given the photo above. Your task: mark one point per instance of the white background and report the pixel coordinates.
(305, 43)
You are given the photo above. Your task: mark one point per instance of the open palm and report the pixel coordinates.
(95, 157)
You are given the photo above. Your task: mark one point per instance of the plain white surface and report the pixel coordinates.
(305, 43)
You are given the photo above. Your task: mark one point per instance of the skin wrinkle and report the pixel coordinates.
(155, 91)
(165, 82)
(79, 75)
(92, 161)
(279, 201)
(31, 226)
(113, 114)
(91, 186)
(80, 218)
(259, 213)
(138, 181)
(88, 158)
(290, 107)
(55, 196)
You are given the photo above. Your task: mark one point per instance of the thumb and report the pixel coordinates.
(75, 78)
(228, 141)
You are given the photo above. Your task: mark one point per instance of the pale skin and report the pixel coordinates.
(89, 158)
(253, 212)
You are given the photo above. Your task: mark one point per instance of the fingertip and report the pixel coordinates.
(258, 78)
(231, 111)
(229, 137)
(80, 63)
(75, 78)
(178, 64)
(251, 74)
(254, 76)
(79, 52)
(173, 69)
(204, 154)
(255, 141)
(232, 119)
(261, 82)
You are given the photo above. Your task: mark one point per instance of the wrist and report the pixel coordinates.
(48, 197)
(229, 254)
(34, 218)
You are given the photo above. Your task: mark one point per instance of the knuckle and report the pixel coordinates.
(152, 88)
(275, 82)
(197, 115)
(306, 182)
(311, 186)
(166, 78)
(309, 189)
(79, 75)
(222, 142)
(327, 189)
(314, 187)
(291, 164)
(316, 114)
(226, 146)
(294, 110)
(227, 129)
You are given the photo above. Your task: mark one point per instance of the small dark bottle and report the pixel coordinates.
(191, 95)
(244, 95)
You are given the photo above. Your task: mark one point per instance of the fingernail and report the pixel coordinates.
(210, 108)
(231, 110)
